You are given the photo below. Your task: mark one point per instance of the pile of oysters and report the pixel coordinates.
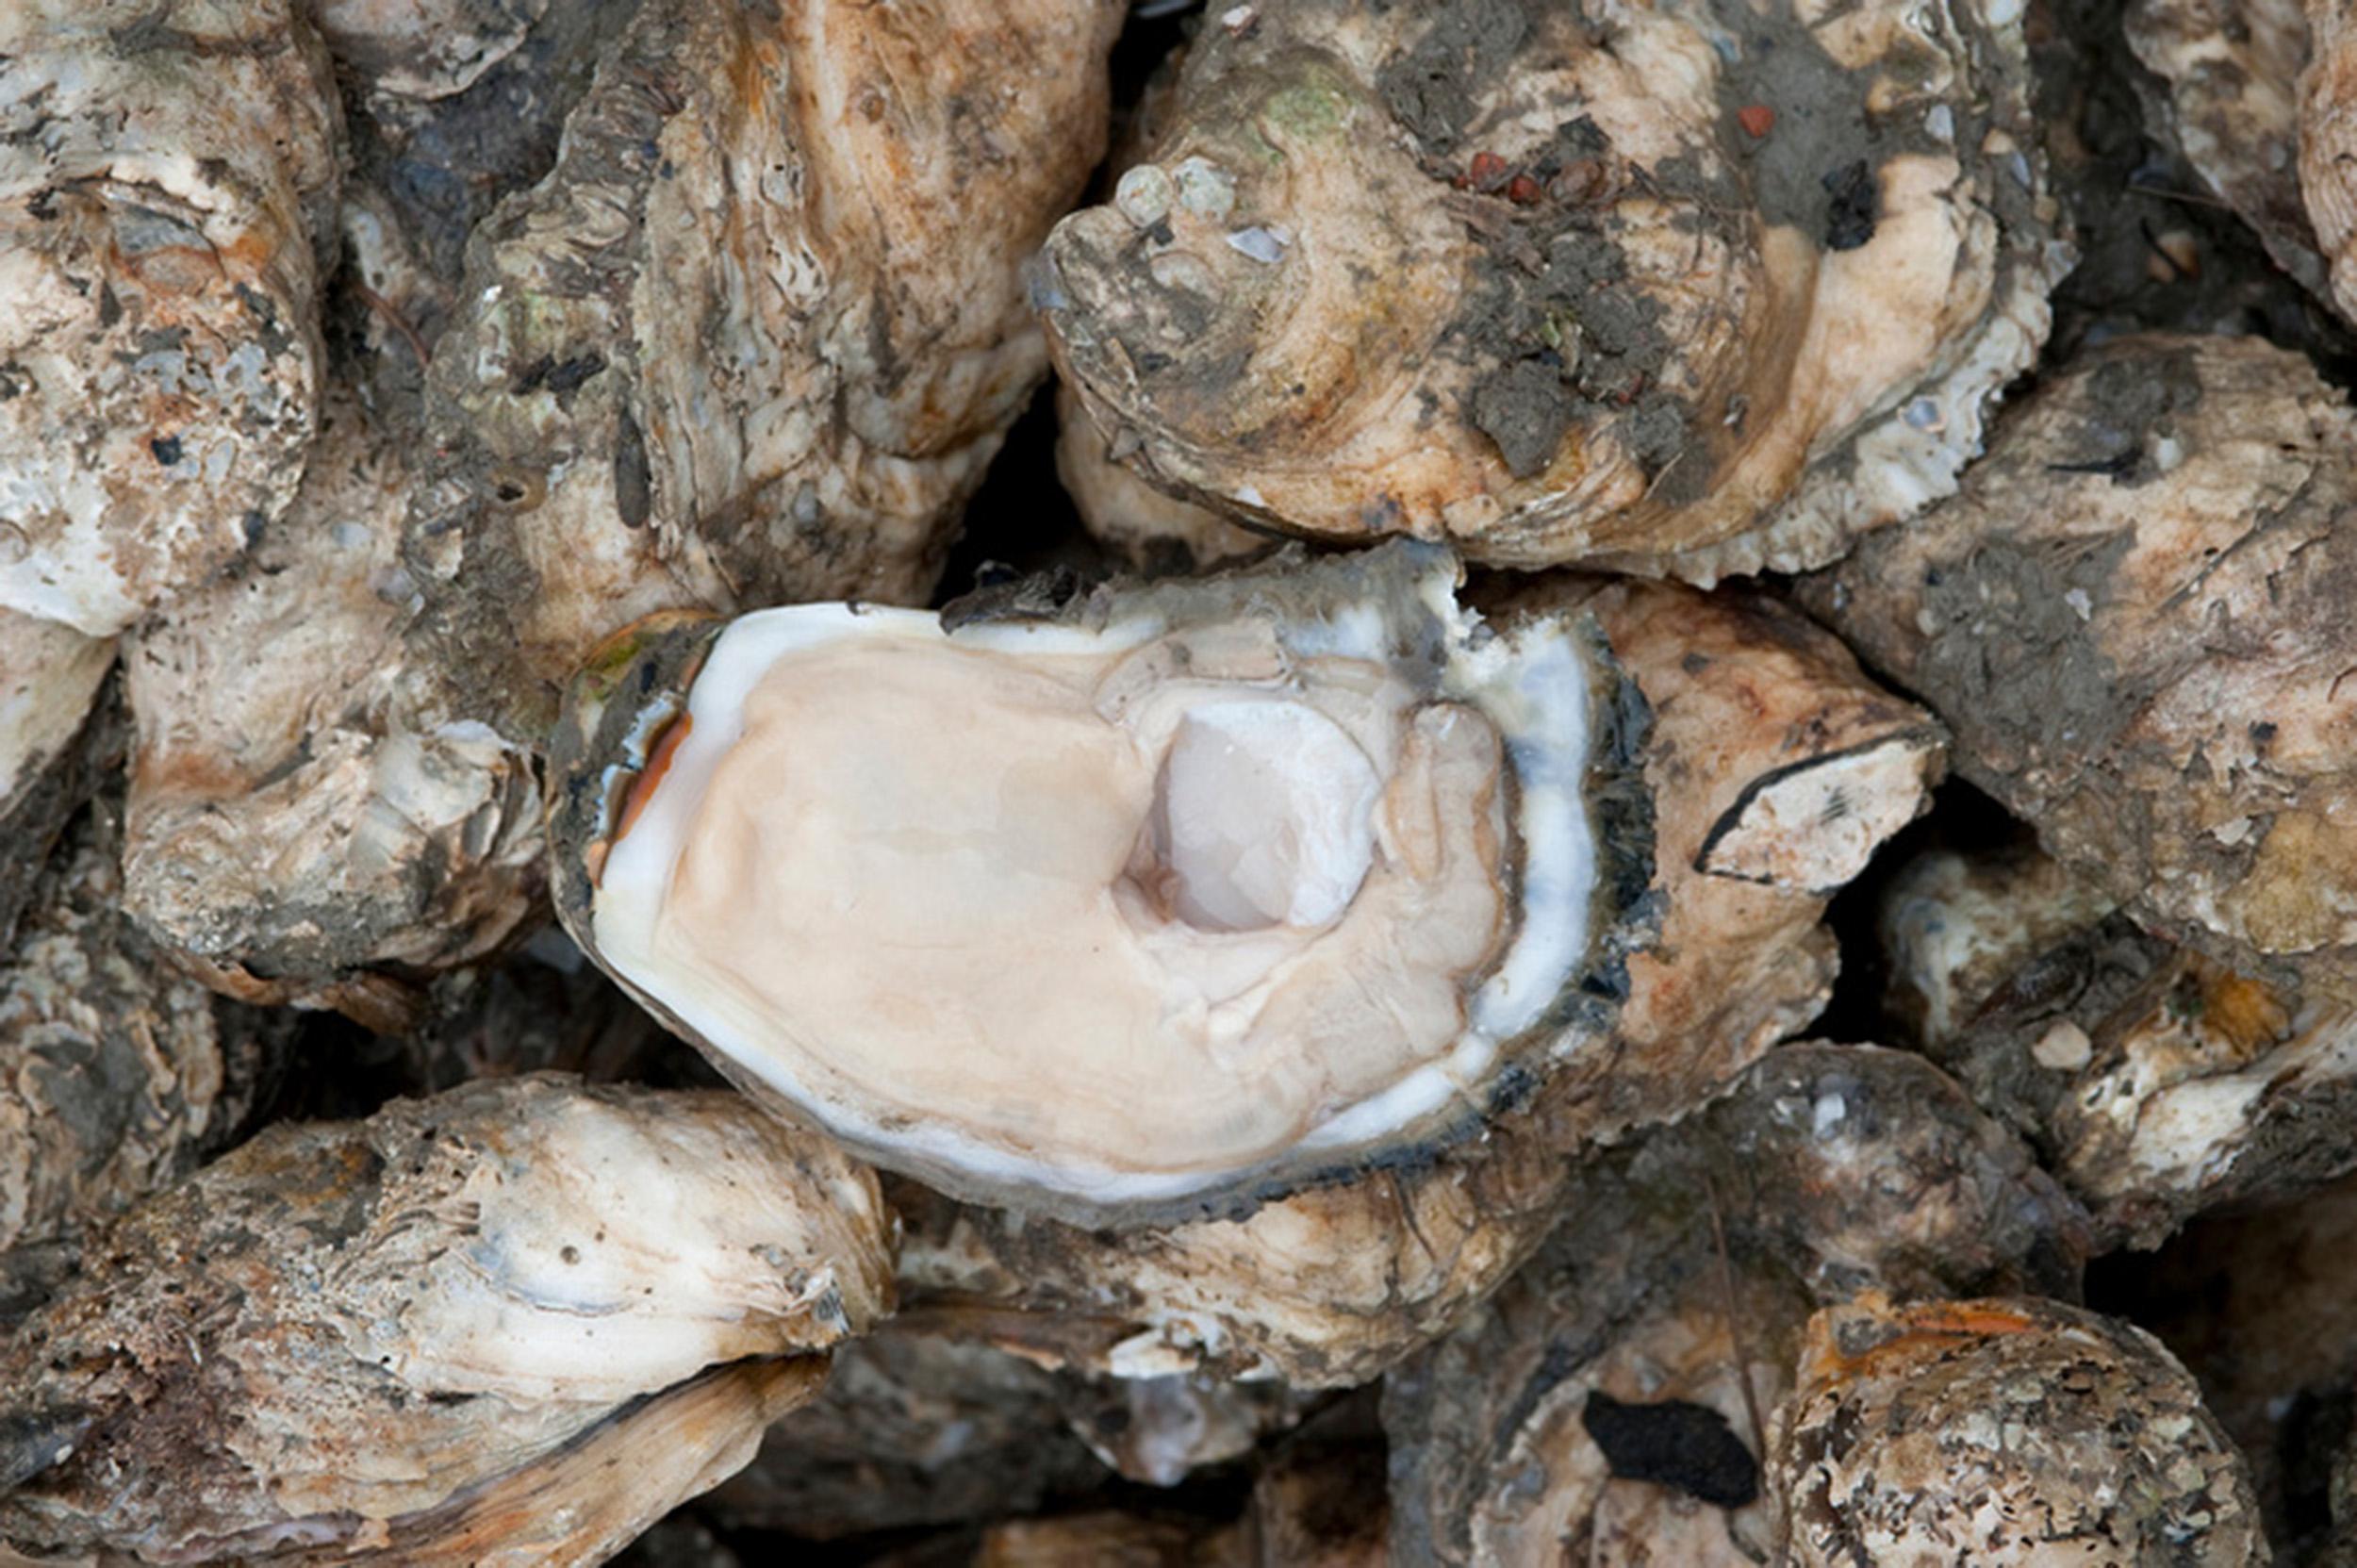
(1032, 783)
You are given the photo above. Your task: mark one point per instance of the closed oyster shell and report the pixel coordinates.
(438, 1331)
(168, 181)
(1696, 289)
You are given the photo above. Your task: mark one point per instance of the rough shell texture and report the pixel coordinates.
(168, 175)
(424, 48)
(1607, 1403)
(1695, 288)
(2158, 1083)
(304, 826)
(2156, 253)
(117, 1074)
(1329, 1286)
(2134, 616)
(1750, 704)
(2328, 144)
(51, 681)
(2011, 1430)
(2230, 98)
(423, 172)
(358, 1335)
(701, 363)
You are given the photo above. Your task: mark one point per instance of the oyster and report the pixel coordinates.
(2134, 618)
(757, 332)
(304, 825)
(1694, 289)
(1329, 1286)
(1607, 1405)
(1153, 531)
(2157, 1081)
(2003, 1431)
(117, 1075)
(1955, 924)
(1159, 901)
(438, 1331)
(911, 1429)
(2230, 98)
(168, 179)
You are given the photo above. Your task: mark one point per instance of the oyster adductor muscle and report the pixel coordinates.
(1125, 907)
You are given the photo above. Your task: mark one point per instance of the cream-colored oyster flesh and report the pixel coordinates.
(168, 177)
(1178, 890)
(1692, 289)
(305, 825)
(361, 1336)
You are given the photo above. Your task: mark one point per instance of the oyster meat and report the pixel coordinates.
(1157, 900)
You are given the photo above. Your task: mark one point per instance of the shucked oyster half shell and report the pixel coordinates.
(1153, 903)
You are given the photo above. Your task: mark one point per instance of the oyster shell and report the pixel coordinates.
(1690, 289)
(304, 825)
(756, 334)
(2230, 98)
(424, 48)
(1153, 531)
(1956, 924)
(2159, 1082)
(2260, 1306)
(436, 1331)
(2003, 1431)
(2134, 616)
(912, 1429)
(168, 179)
(1157, 902)
(50, 680)
(117, 1073)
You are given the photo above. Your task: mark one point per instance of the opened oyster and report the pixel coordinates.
(1692, 288)
(1155, 902)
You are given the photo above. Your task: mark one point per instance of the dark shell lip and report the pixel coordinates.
(617, 709)
(635, 687)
